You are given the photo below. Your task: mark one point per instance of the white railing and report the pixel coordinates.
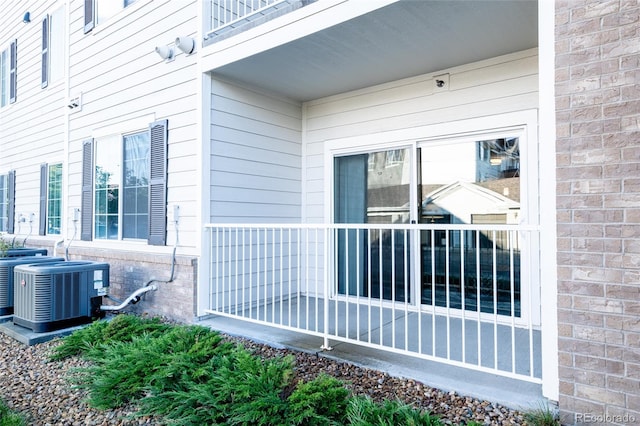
(459, 294)
(227, 13)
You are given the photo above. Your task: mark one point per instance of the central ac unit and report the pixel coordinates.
(24, 251)
(52, 296)
(7, 265)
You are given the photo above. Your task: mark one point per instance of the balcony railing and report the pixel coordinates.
(227, 15)
(459, 294)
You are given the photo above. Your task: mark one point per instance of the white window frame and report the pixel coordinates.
(118, 131)
(60, 201)
(523, 124)
(4, 77)
(117, 140)
(105, 14)
(57, 46)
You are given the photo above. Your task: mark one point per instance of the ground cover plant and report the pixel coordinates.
(9, 418)
(191, 375)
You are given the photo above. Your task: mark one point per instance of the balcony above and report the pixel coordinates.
(334, 46)
(230, 17)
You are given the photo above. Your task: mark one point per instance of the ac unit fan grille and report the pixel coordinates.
(4, 286)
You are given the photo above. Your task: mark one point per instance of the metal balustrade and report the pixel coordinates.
(459, 294)
(229, 13)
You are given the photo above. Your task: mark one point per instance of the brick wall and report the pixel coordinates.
(598, 201)
(129, 271)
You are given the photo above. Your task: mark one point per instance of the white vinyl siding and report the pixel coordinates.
(121, 79)
(37, 118)
(491, 87)
(256, 156)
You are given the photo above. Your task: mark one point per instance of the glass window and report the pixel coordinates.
(475, 182)
(105, 9)
(372, 187)
(56, 45)
(136, 186)
(121, 187)
(54, 199)
(4, 77)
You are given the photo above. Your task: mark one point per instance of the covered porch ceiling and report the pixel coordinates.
(404, 39)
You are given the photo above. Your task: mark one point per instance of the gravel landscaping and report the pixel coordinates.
(39, 389)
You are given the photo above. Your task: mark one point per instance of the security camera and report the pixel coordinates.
(186, 44)
(165, 52)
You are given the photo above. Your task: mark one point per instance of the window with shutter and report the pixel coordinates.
(128, 188)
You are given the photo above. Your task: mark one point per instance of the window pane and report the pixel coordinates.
(136, 186)
(107, 187)
(372, 188)
(475, 182)
(54, 199)
(56, 45)
(4, 78)
(105, 9)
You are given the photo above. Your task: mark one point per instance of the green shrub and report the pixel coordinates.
(5, 246)
(320, 402)
(240, 389)
(363, 411)
(122, 328)
(81, 341)
(191, 375)
(124, 371)
(9, 418)
(249, 389)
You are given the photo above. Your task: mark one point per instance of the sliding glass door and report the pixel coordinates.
(465, 189)
(476, 182)
(373, 188)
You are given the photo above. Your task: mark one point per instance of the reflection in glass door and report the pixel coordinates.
(476, 182)
(373, 188)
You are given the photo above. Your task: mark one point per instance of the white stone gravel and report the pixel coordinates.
(40, 390)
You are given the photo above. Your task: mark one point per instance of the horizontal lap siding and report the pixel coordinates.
(121, 79)
(255, 156)
(32, 128)
(495, 86)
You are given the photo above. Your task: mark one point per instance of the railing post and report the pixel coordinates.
(327, 251)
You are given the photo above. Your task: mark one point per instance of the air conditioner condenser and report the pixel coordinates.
(57, 295)
(7, 265)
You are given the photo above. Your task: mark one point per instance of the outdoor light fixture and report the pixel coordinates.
(165, 53)
(186, 44)
(27, 18)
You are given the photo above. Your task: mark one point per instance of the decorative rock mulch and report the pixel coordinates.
(39, 388)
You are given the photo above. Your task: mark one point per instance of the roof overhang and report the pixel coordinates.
(402, 39)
